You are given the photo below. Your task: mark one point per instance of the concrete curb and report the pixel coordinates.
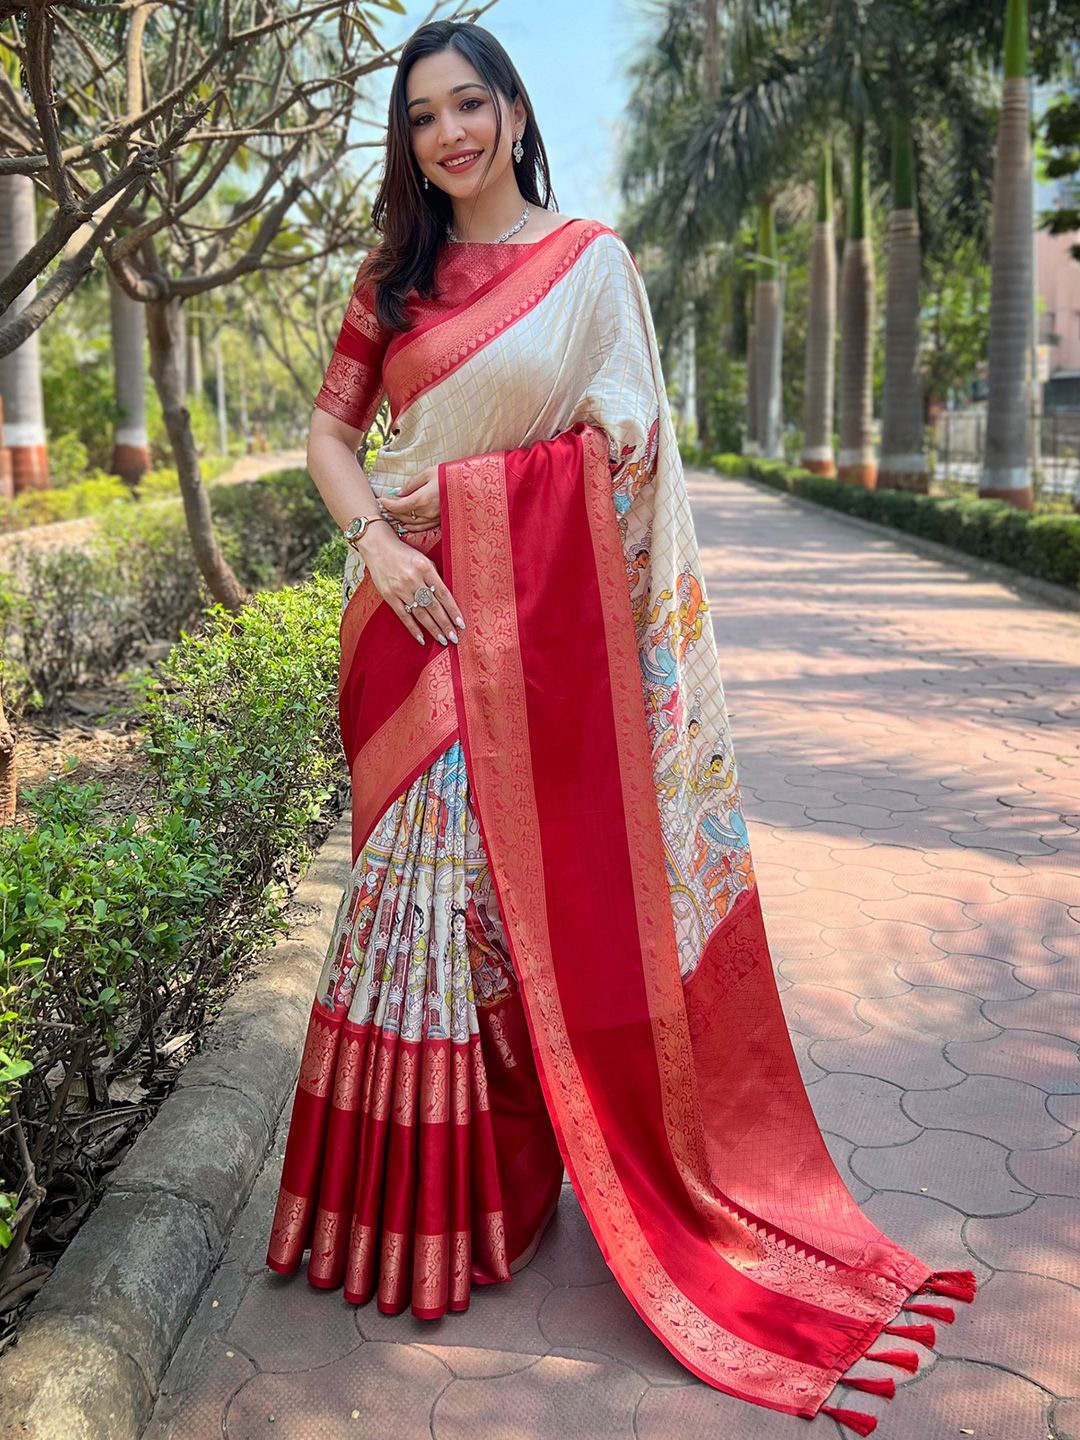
(1045, 590)
(100, 1334)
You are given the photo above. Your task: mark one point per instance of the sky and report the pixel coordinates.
(573, 57)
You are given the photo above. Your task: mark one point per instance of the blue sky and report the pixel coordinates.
(573, 57)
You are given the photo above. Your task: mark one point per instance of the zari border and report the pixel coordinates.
(449, 341)
(489, 661)
(420, 729)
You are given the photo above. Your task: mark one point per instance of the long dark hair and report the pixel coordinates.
(412, 220)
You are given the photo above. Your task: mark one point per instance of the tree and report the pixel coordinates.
(768, 335)
(164, 101)
(903, 461)
(1006, 471)
(1062, 131)
(821, 332)
(127, 323)
(20, 372)
(857, 301)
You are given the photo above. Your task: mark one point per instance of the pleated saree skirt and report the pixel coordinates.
(420, 1158)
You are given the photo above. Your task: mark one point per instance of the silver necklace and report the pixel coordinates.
(504, 236)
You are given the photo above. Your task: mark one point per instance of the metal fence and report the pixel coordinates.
(959, 444)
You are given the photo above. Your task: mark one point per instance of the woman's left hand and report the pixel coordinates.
(415, 506)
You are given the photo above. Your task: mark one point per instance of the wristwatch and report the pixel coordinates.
(357, 527)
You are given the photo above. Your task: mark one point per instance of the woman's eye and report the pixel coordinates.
(423, 119)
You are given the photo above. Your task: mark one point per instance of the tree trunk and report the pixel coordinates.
(750, 439)
(20, 372)
(193, 374)
(131, 452)
(1007, 466)
(165, 367)
(8, 777)
(7, 480)
(768, 329)
(821, 334)
(903, 459)
(856, 460)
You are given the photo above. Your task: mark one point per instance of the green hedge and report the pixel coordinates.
(116, 931)
(98, 494)
(77, 614)
(1045, 546)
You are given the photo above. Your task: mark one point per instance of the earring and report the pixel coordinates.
(426, 185)
(519, 150)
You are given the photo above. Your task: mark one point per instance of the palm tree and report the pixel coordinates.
(20, 372)
(857, 297)
(1007, 467)
(769, 335)
(903, 462)
(821, 332)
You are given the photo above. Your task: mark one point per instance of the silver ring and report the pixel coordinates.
(423, 595)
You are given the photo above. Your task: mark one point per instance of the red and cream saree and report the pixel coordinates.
(552, 949)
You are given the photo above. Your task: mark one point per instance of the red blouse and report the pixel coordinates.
(353, 386)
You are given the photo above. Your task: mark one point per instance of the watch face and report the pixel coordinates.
(354, 528)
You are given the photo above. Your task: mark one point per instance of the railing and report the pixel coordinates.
(958, 439)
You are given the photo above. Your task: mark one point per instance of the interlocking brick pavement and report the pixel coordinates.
(909, 746)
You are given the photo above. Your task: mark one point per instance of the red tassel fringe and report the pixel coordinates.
(921, 1334)
(855, 1420)
(902, 1359)
(945, 1313)
(953, 1284)
(872, 1387)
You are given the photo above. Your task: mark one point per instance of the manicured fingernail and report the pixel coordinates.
(419, 639)
(442, 640)
(453, 636)
(459, 621)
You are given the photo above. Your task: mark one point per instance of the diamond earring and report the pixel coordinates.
(519, 150)
(426, 185)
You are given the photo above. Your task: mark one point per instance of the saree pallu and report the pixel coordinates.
(586, 699)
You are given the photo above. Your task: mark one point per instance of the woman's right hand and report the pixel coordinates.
(397, 569)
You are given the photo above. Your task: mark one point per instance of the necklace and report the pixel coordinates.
(504, 236)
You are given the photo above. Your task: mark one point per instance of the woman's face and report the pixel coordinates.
(452, 116)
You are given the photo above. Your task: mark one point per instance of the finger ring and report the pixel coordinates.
(412, 514)
(423, 595)
(409, 607)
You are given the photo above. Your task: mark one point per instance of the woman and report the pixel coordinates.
(552, 949)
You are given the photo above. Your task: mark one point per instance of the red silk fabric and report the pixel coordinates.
(657, 1091)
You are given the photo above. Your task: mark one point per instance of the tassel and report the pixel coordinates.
(954, 1284)
(871, 1387)
(945, 1313)
(902, 1359)
(921, 1334)
(855, 1420)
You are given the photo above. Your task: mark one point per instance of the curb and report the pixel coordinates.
(1029, 585)
(100, 1333)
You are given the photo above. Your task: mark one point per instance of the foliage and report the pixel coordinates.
(1062, 130)
(956, 320)
(116, 930)
(97, 493)
(81, 612)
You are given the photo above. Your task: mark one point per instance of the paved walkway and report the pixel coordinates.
(909, 742)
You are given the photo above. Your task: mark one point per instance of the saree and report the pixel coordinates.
(552, 952)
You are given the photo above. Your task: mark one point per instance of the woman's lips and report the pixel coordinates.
(465, 165)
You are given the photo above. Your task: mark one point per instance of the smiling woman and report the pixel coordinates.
(551, 951)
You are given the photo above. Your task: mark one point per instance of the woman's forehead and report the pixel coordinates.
(435, 76)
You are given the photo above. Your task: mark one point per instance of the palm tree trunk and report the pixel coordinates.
(903, 459)
(768, 327)
(821, 334)
(856, 460)
(131, 452)
(166, 355)
(750, 440)
(1007, 466)
(20, 372)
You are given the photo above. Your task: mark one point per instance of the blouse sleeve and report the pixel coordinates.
(352, 388)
